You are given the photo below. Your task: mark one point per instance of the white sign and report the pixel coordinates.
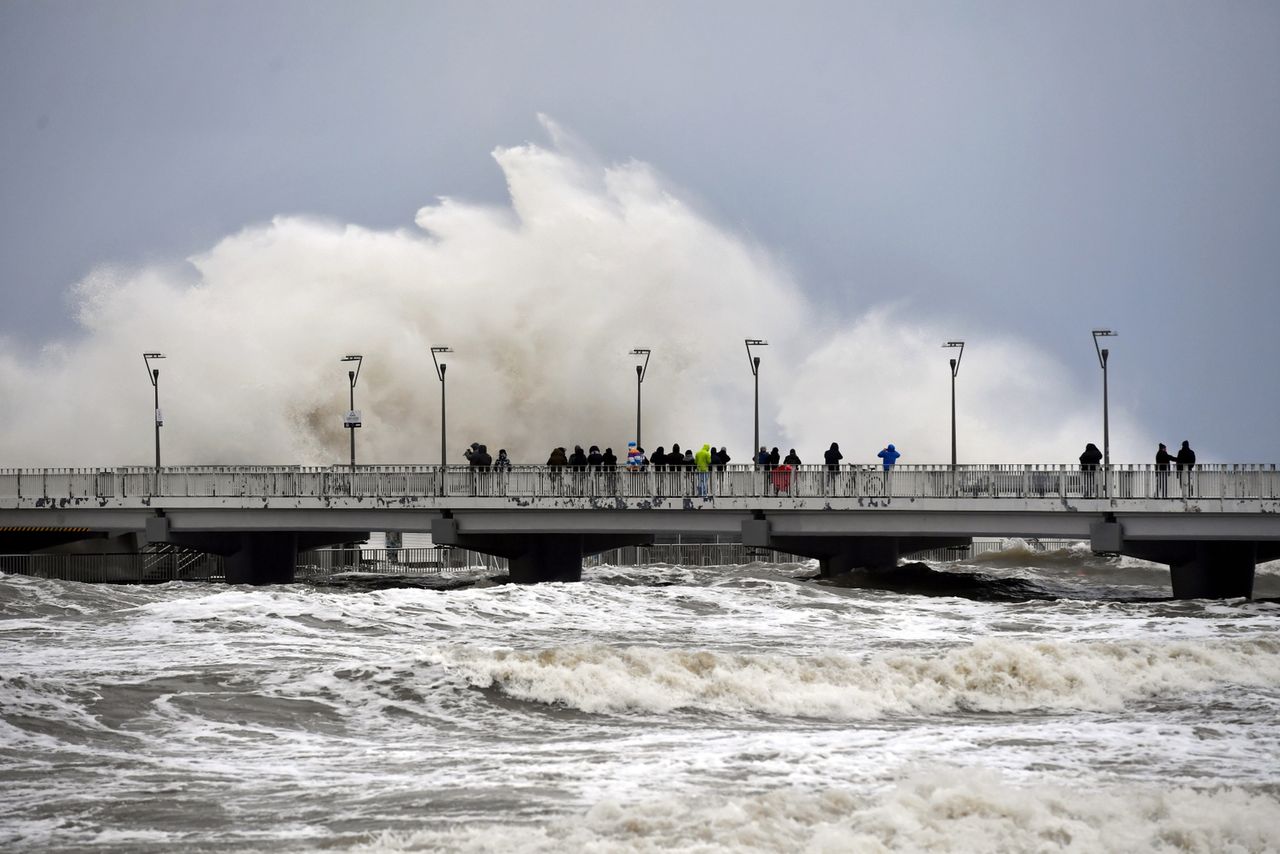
(159, 418)
(351, 419)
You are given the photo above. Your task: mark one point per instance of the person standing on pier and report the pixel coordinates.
(890, 456)
(702, 462)
(1163, 458)
(832, 457)
(1186, 460)
(1089, 462)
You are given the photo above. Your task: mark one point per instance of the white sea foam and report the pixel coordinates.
(989, 676)
(940, 809)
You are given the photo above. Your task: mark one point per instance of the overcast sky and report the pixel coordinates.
(1031, 170)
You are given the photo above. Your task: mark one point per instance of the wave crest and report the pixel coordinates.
(990, 676)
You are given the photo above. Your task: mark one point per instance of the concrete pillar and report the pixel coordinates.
(860, 553)
(533, 558)
(547, 558)
(1217, 570)
(262, 558)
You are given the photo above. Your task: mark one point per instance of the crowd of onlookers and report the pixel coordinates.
(707, 459)
(700, 464)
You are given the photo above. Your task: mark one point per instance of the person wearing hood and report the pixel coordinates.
(775, 457)
(1163, 459)
(890, 456)
(1186, 461)
(762, 457)
(832, 457)
(1089, 462)
(555, 463)
(658, 458)
(502, 470)
(793, 459)
(595, 459)
(702, 462)
(724, 457)
(609, 462)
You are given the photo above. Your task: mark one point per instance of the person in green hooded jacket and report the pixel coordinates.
(702, 462)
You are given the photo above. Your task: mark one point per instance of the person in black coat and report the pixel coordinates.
(832, 457)
(775, 457)
(658, 458)
(1186, 461)
(1089, 462)
(1163, 458)
(578, 459)
(793, 459)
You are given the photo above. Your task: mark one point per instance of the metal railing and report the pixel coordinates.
(133, 568)
(1225, 481)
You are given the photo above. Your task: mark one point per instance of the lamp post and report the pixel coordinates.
(440, 368)
(1103, 353)
(641, 369)
(153, 374)
(352, 419)
(955, 370)
(755, 372)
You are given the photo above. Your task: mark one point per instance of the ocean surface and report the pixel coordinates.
(1020, 701)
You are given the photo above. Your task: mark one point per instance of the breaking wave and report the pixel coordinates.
(989, 676)
(937, 809)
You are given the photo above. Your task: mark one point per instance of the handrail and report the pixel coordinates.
(1004, 480)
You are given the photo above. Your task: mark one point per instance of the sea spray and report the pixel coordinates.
(541, 301)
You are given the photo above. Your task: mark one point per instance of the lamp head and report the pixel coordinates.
(153, 374)
(754, 360)
(354, 375)
(955, 363)
(641, 367)
(440, 366)
(1102, 353)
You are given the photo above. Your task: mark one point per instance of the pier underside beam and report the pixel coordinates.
(250, 557)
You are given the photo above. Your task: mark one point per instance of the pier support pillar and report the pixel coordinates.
(262, 558)
(837, 555)
(533, 558)
(1216, 570)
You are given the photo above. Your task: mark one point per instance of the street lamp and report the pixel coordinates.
(440, 367)
(640, 372)
(1103, 352)
(755, 372)
(352, 419)
(955, 369)
(153, 374)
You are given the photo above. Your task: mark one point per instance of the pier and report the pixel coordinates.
(1211, 526)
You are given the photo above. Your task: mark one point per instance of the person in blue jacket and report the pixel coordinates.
(890, 456)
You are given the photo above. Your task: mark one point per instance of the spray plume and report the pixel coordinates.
(541, 302)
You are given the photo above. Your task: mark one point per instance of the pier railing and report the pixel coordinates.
(1226, 481)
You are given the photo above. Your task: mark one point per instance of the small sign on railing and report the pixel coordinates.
(351, 419)
(159, 418)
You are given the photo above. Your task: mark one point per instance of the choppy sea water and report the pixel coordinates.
(1021, 701)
